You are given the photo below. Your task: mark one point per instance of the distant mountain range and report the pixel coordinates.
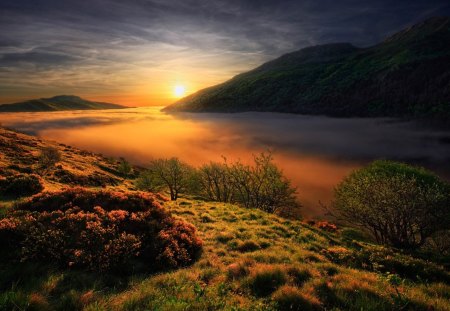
(57, 103)
(408, 74)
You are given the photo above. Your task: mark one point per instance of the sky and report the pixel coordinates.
(149, 52)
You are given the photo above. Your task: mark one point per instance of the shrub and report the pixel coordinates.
(124, 168)
(398, 204)
(291, 298)
(89, 199)
(82, 234)
(265, 281)
(382, 259)
(48, 157)
(20, 185)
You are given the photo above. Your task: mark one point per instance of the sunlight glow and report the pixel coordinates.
(179, 90)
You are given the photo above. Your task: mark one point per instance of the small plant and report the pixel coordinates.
(48, 157)
(248, 246)
(239, 269)
(299, 275)
(291, 298)
(124, 168)
(266, 280)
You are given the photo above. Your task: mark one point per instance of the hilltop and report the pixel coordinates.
(57, 103)
(406, 75)
(251, 260)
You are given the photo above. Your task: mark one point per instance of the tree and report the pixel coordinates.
(215, 182)
(171, 174)
(262, 185)
(400, 205)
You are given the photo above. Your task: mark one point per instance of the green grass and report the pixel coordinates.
(251, 260)
(284, 272)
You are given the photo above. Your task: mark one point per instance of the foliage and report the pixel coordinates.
(48, 157)
(171, 174)
(261, 185)
(216, 182)
(20, 185)
(382, 259)
(398, 204)
(81, 233)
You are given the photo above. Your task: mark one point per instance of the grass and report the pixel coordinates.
(251, 260)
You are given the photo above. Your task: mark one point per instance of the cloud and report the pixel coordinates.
(76, 45)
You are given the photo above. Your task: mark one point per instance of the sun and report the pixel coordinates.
(179, 90)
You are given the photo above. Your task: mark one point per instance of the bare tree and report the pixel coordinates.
(215, 182)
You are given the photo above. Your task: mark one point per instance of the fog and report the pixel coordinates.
(314, 152)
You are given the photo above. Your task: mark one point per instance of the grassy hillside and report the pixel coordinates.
(57, 103)
(251, 260)
(406, 75)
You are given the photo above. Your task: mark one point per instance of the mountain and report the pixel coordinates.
(408, 74)
(57, 103)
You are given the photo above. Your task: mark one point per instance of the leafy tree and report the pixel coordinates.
(398, 204)
(262, 185)
(171, 174)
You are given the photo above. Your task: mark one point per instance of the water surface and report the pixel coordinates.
(315, 152)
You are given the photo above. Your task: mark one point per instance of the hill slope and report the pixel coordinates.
(251, 260)
(57, 103)
(406, 75)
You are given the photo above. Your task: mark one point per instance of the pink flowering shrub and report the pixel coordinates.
(84, 234)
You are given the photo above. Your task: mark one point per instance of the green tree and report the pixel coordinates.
(400, 205)
(262, 185)
(171, 174)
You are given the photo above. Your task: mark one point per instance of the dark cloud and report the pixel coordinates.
(233, 35)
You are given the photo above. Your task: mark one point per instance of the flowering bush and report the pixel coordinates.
(129, 228)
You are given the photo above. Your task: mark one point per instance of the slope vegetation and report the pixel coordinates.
(251, 260)
(406, 75)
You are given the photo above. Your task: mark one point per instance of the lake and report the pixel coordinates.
(315, 152)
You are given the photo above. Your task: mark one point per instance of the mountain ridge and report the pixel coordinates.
(406, 75)
(57, 103)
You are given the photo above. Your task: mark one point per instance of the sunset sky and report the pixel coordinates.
(148, 52)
